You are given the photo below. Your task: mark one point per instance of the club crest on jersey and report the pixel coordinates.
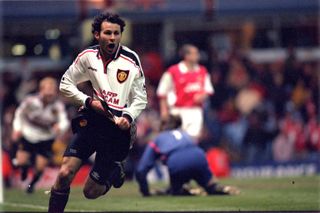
(122, 75)
(83, 122)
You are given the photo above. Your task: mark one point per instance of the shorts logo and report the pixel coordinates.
(83, 122)
(74, 151)
(95, 175)
(122, 75)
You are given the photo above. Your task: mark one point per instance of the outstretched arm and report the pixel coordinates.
(146, 163)
(165, 86)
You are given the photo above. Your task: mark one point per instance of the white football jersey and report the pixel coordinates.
(35, 120)
(119, 81)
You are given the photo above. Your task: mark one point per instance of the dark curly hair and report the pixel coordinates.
(109, 17)
(172, 122)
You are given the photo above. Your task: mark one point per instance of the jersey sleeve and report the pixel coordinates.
(62, 118)
(137, 95)
(75, 74)
(19, 115)
(208, 87)
(165, 85)
(147, 161)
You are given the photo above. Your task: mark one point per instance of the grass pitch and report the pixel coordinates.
(260, 194)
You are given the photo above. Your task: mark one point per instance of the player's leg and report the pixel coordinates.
(78, 150)
(204, 177)
(23, 163)
(44, 153)
(119, 153)
(98, 181)
(41, 163)
(112, 145)
(202, 174)
(118, 150)
(61, 188)
(178, 166)
(117, 177)
(69, 168)
(106, 172)
(177, 180)
(97, 185)
(93, 190)
(23, 156)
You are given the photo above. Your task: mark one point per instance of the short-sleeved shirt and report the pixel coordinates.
(185, 84)
(35, 119)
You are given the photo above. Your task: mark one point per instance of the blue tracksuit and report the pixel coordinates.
(184, 159)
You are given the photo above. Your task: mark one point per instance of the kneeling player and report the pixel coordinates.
(185, 161)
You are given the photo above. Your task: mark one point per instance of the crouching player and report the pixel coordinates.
(185, 161)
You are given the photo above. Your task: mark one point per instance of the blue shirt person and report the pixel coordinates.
(184, 159)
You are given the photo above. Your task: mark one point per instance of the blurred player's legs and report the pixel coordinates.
(26, 151)
(41, 163)
(214, 188)
(182, 169)
(22, 162)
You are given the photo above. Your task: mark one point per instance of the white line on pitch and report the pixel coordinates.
(39, 207)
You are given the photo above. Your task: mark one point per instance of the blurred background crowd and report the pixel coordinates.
(262, 56)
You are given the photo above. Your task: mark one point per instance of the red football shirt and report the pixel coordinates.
(188, 83)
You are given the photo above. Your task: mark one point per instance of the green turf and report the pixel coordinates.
(285, 194)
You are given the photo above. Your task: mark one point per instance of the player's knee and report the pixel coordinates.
(66, 173)
(91, 193)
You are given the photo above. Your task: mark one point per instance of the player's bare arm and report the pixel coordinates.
(200, 98)
(164, 109)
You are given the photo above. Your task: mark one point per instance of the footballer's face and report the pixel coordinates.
(48, 92)
(193, 55)
(109, 37)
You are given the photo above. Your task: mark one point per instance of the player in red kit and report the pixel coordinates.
(183, 89)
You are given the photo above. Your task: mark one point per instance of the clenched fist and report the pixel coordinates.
(122, 122)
